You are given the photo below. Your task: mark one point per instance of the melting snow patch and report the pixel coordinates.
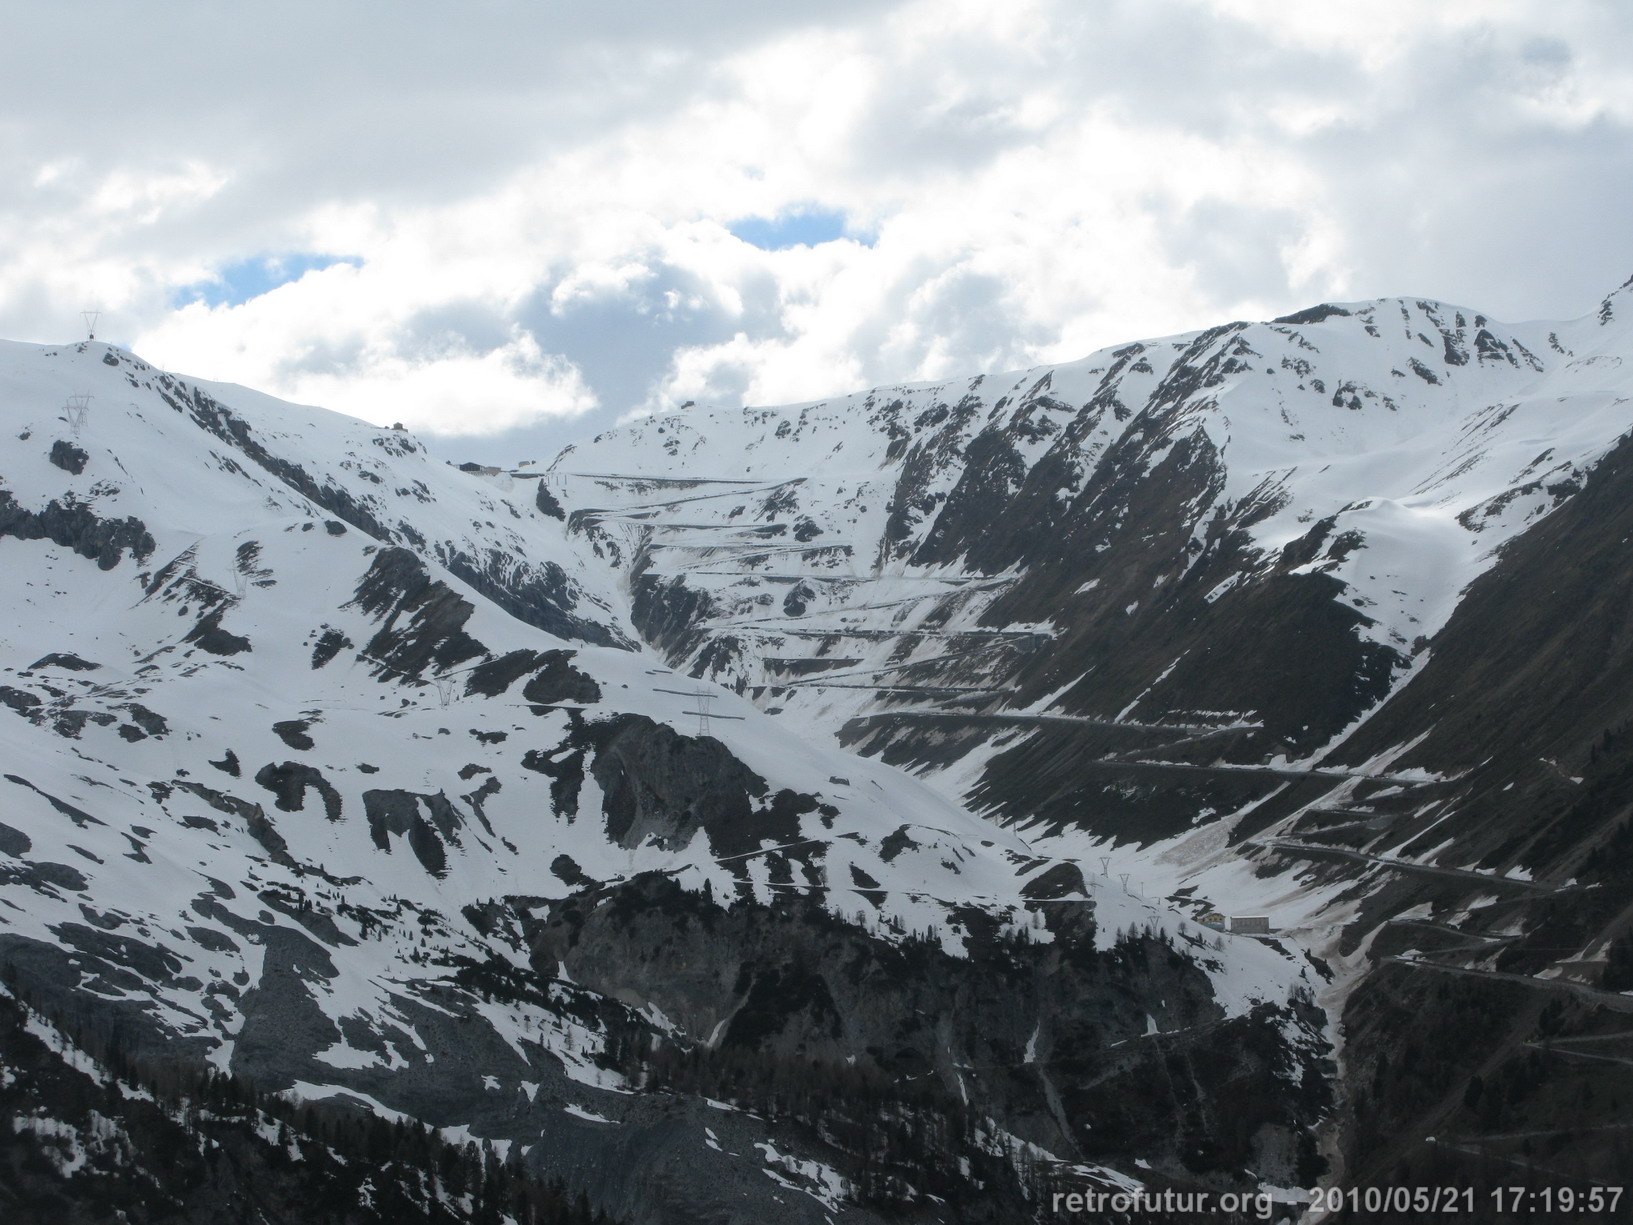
(578, 1112)
(819, 1182)
(63, 1147)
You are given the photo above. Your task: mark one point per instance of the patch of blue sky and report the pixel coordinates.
(803, 227)
(238, 282)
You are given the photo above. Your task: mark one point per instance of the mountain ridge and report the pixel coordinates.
(574, 808)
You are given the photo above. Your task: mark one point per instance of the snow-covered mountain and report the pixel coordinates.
(343, 771)
(954, 536)
(1321, 619)
(812, 813)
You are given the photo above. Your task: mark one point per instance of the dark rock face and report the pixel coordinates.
(1282, 646)
(497, 675)
(51, 976)
(14, 842)
(663, 786)
(228, 764)
(73, 525)
(790, 986)
(399, 812)
(20, 700)
(68, 457)
(668, 612)
(398, 588)
(70, 723)
(556, 680)
(45, 876)
(150, 722)
(553, 678)
(78, 816)
(1550, 682)
(547, 503)
(564, 766)
(209, 636)
(1313, 314)
(293, 732)
(543, 597)
(564, 867)
(253, 815)
(290, 782)
(68, 660)
(329, 644)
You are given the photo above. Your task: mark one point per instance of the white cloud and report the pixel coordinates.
(335, 338)
(454, 391)
(538, 196)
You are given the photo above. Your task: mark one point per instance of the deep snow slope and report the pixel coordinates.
(346, 771)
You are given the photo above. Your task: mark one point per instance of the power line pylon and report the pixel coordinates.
(446, 691)
(78, 409)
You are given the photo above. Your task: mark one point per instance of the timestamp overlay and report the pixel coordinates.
(1520, 1201)
(1338, 1205)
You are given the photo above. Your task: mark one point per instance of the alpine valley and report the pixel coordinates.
(826, 814)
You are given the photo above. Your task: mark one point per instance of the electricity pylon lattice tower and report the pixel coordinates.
(702, 697)
(78, 410)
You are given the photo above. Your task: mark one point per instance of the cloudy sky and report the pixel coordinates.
(507, 223)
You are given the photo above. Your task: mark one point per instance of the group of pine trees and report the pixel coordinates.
(1618, 973)
(140, 1141)
(893, 1138)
